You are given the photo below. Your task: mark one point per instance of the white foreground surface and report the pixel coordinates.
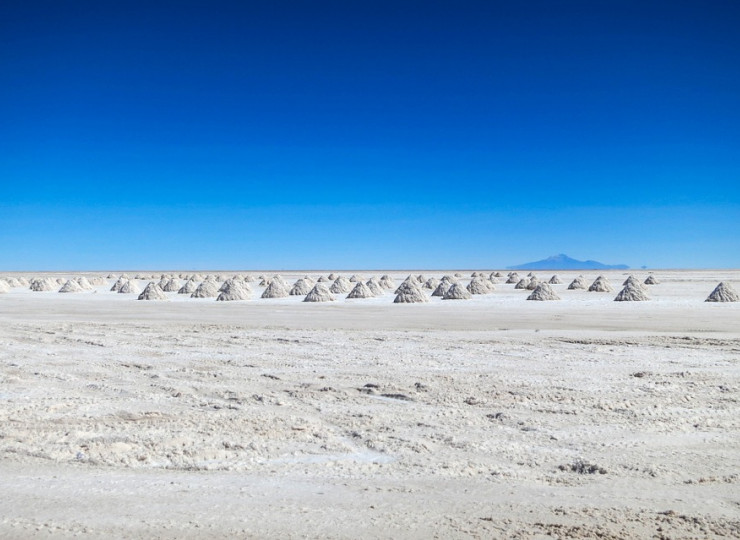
(489, 417)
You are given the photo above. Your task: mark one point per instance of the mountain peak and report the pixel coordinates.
(562, 262)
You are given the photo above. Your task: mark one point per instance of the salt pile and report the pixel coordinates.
(275, 289)
(600, 284)
(458, 292)
(431, 283)
(300, 288)
(723, 293)
(409, 293)
(631, 293)
(23, 282)
(387, 282)
(632, 280)
(129, 287)
(543, 292)
(578, 283)
(207, 289)
(533, 282)
(341, 285)
(479, 286)
(42, 284)
(651, 280)
(172, 285)
(355, 278)
(555, 280)
(71, 286)
(522, 283)
(333, 277)
(4, 286)
(319, 293)
(442, 288)
(375, 287)
(152, 292)
(188, 288)
(323, 279)
(232, 290)
(16, 282)
(360, 291)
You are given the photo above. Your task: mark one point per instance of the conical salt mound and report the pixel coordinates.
(449, 279)
(188, 288)
(360, 291)
(71, 286)
(355, 278)
(118, 284)
(60, 281)
(319, 293)
(522, 283)
(4, 286)
(555, 280)
(600, 284)
(532, 285)
(631, 293)
(387, 282)
(300, 288)
(578, 283)
(650, 280)
(542, 292)
(23, 282)
(129, 287)
(234, 282)
(723, 293)
(479, 286)
(458, 292)
(231, 290)
(275, 290)
(493, 279)
(96, 281)
(431, 283)
(442, 288)
(409, 293)
(111, 276)
(323, 279)
(513, 278)
(152, 292)
(43, 284)
(333, 277)
(16, 282)
(632, 280)
(172, 285)
(341, 285)
(249, 278)
(375, 287)
(84, 283)
(207, 289)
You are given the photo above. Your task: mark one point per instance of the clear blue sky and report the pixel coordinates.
(312, 134)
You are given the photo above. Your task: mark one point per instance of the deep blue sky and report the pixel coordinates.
(368, 134)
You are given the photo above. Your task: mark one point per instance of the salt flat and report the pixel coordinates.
(489, 417)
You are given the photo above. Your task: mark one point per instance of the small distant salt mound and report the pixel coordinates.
(188, 288)
(60, 281)
(84, 283)
(355, 278)
(23, 282)
(543, 292)
(319, 293)
(71, 286)
(431, 283)
(208, 288)
(532, 285)
(387, 282)
(152, 292)
(513, 278)
(651, 280)
(118, 284)
(96, 281)
(600, 284)
(16, 282)
(140, 276)
(129, 287)
(323, 279)
(522, 284)
(409, 293)
(43, 284)
(264, 282)
(479, 286)
(275, 289)
(555, 280)
(442, 288)
(360, 291)
(530, 275)
(723, 293)
(375, 287)
(308, 279)
(341, 285)
(475, 274)
(300, 288)
(578, 283)
(333, 277)
(632, 280)
(458, 275)
(197, 277)
(497, 274)
(492, 278)
(163, 281)
(631, 293)
(233, 289)
(172, 285)
(4, 286)
(458, 292)
(249, 278)
(111, 276)
(449, 279)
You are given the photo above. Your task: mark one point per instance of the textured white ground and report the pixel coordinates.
(491, 417)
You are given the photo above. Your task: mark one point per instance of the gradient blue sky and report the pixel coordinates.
(368, 134)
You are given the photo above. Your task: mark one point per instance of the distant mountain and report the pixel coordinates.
(563, 262)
